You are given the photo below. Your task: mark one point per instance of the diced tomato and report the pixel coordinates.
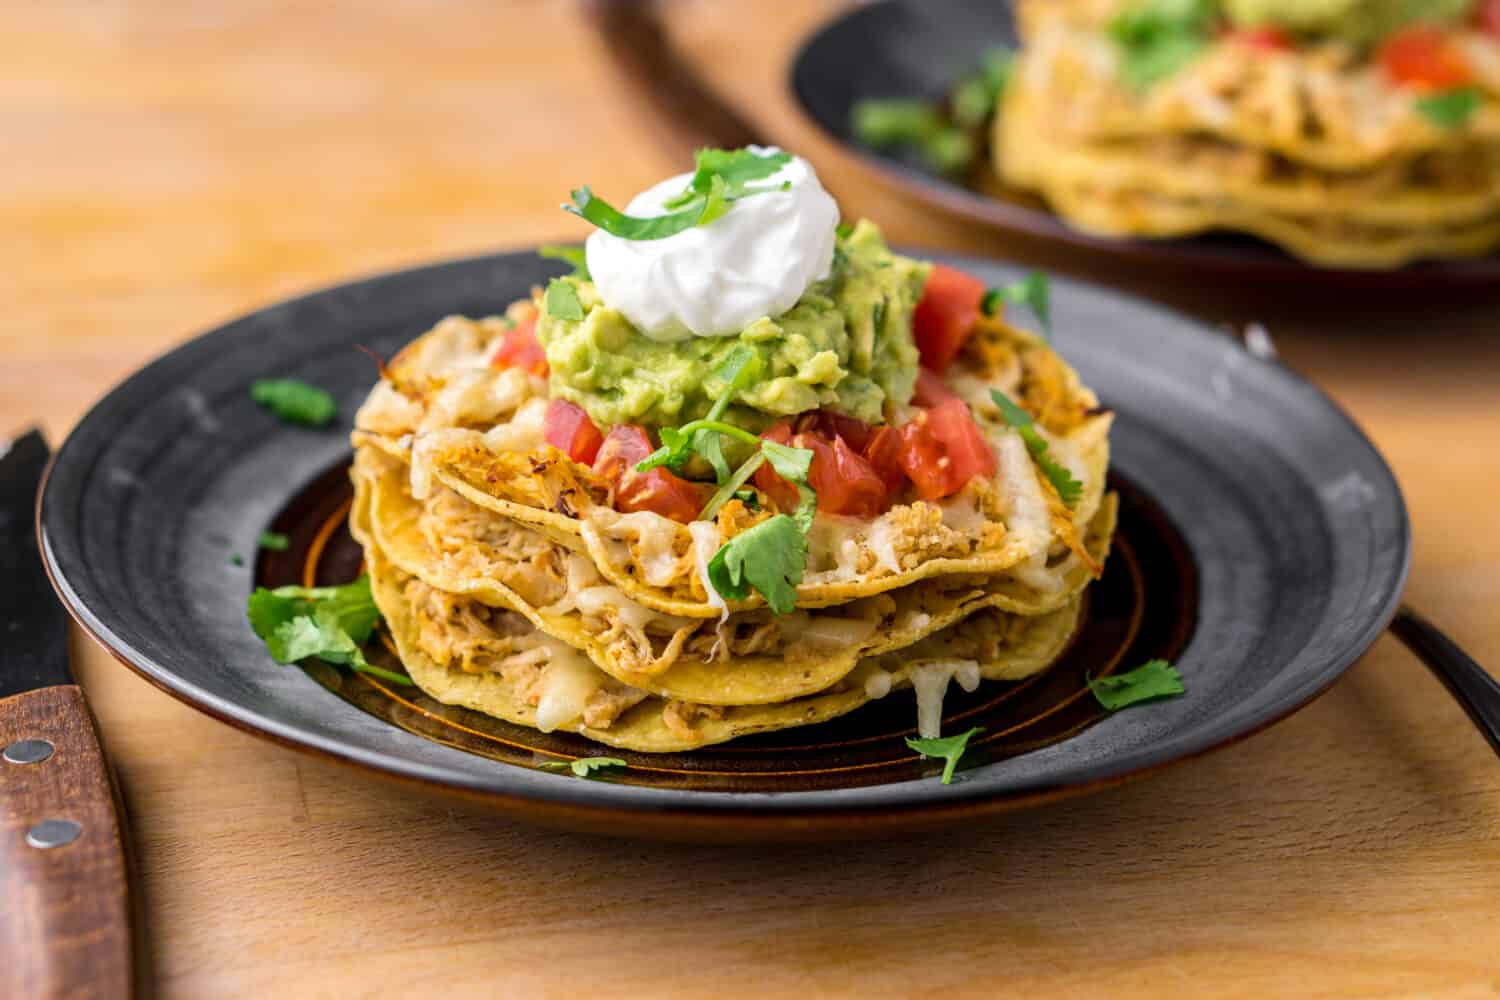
(831, 424)
(519, 349)
(659, 490)
(1487, 17)
(946, 315)
(1269, 37)
(1424, 56)
(569, 430)
(844, 481)
(884, 455)
(943, 449)
(931, 389)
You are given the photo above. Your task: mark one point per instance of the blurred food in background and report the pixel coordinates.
(1351, 133)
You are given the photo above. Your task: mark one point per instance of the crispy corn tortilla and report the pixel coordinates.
(750, 658)
(1012, 523)
(654, 725)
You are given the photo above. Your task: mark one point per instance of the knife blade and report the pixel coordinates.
(33, 622)
(67, 923)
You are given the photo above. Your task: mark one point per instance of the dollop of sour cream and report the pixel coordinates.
(712, 281)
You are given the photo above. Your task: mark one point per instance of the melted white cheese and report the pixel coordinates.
(930, 681)
(712, 281)
(567, 682)
(655, 538)
(526, 431)
(706, 544)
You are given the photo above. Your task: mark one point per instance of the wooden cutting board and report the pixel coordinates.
(169, 165)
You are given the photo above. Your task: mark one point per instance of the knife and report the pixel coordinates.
(67, 925)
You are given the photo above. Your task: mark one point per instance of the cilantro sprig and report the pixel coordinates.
(722, 177)
(584, 767)
(1033, 291)
(1068, 488)
(1450, 109)
(947, 748)
(294, 401)
(1158, 38)
(740, 367)
(1152, 680)
(330, 623)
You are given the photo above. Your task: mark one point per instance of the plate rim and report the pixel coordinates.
(658, 811)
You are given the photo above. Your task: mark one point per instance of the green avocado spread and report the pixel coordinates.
(846, 345)
(1358, 21)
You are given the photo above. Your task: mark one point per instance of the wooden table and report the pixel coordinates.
(169, 165)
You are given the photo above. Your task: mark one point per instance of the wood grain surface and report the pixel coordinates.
(65, 926)
(168, 165)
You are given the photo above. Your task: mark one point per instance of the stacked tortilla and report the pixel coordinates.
(510, 584)
(1311, 147)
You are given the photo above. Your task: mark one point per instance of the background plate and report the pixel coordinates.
(918, 48)
(1294, 523)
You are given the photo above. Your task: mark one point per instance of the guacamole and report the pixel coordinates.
(846, 345)
(1360, 21)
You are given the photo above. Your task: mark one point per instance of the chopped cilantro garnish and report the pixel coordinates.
(949, 748)
(330, 623)
(723, 176)
(562, 300)
(738, 369)
(1033, 292)
(235, 559)
(1151, 680)
(769, 556)
(569, 255)
(1068, 488)
(1450, 109)
(583, 767)
(1157, 38)
(274, 540)
(294, 401)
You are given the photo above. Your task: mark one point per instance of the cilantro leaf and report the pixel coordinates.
(1151, 680)
(274, 540)
(722, 176)
(1033, 291)
(569, 255)
(770, 557)
(330, 623)
(1157, 38)
(950, 748)
(583, 767)
(1450, 109)
(294, 401)
(562, 300)
(732, 486)
(235, 559)
(880, 121)
(1068, 488)
(710, 444)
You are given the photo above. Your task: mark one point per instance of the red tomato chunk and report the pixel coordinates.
(569, 429)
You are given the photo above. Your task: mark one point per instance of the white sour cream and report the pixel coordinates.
(712, 281)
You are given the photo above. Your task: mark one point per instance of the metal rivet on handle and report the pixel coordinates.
(53, 833)
(28, 752)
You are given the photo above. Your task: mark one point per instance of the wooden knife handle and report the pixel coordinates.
(66, 922)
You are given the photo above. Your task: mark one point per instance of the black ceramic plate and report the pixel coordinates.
(1263, 547)
(918, 48)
